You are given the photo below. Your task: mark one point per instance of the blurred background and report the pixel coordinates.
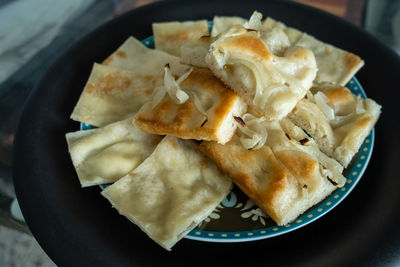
(34, 33)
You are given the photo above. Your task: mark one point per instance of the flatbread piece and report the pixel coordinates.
(207, 115)
(171, 192)
(103, 155)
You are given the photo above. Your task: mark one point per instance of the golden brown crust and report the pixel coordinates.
(206, 39)
(121, 53)
(170, 118)
(177, 37)
(118, 53)
(209, 82)
(339, 94)
(301, 165)
(257, 173)
(354, 130)
(113, 94)
(251, 43)
(282, 177)
(184, 120)
(111, 82)
(353, 62)
(107, 60)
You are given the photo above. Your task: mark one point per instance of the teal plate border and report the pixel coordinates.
(355, 172)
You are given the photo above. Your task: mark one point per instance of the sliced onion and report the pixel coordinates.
(339, 179)
(326, 173)
(338, 120)
(321, 100)
(310, 96)
(254, 132)
(250, 143)
(184, 76)
(197, 103)
(175, 92)
(324, 160)
(261, 79)
(254, 22)
(173, 89)
(181, 96)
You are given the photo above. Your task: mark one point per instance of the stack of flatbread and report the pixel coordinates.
(253, 101)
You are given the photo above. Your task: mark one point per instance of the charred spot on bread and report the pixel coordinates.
(251, 30)
(239, 120)
(307, 133)
(204, 122)
(332, 182)
(304, 141)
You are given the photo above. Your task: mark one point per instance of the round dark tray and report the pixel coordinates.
(77, 227)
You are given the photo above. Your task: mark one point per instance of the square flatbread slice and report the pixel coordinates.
(134, 56)
(335, 65)
(170, 36)
(341, 134)
(113, 94)
(103, 155)
(207, 115)
(285, 177)
(271, 84)
(171, 192)
(222, 24)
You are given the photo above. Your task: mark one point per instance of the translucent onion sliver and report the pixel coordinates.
(321, 100)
